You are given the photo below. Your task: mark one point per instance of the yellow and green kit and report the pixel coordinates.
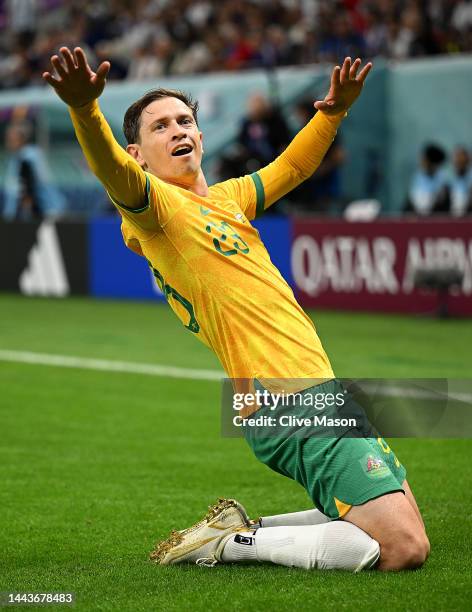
(208, 259)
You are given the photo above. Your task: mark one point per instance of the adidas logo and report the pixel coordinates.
(45, 273)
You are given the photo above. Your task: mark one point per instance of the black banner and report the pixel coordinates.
(44, 258)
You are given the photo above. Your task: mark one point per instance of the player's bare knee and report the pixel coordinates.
(409, 550)
(417, 552)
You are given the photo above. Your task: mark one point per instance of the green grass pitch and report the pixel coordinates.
(96, 466)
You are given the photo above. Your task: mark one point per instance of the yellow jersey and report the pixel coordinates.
(209, 260)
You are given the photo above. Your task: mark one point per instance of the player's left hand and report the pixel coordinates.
(346, 85)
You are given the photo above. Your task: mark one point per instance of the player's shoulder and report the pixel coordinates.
(233, 187)
(162, 195)
(153, 182)
(219, 187)
(161, 191)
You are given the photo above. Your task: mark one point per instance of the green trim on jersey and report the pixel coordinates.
(260, 195)
(136, 210)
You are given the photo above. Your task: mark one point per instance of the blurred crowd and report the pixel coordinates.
(151, 38)
(436, 187)
(263, 134)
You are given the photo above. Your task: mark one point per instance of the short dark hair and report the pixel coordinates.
(434, 153)
(132, 119)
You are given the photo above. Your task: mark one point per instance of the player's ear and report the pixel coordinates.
(135, 152)
(201, 140)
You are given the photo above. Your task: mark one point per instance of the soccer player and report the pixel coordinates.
(218, 278)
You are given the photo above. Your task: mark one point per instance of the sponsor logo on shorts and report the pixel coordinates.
(374, 466)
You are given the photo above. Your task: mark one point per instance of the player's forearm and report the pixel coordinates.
(119, 173)
(301, 158)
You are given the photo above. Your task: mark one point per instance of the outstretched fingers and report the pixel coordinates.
(364, 72)
(354, 68)
(81, 59)
(345, 70)
(47, 76)
(335, 79)
(73, 79)
(58, 66)
(68, 59)
(102, 71)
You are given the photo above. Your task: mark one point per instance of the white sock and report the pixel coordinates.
(307, 517)
(240, 547)
(333, 545)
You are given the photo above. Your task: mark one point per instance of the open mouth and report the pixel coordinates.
(182, 150)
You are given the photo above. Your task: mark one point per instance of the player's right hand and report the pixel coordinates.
(75, 82)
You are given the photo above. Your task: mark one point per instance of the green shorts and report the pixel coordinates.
(337, 472)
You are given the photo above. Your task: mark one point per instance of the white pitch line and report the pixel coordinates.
(417, 393)
(149, 369)
(65, 361)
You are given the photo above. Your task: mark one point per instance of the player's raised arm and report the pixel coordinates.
(306, 151)
(79, 87)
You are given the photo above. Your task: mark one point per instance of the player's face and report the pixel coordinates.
(170, 144)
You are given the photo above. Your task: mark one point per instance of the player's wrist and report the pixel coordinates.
(334, 118)
(84, 108)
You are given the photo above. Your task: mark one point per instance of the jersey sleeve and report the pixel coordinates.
(298, 162)
(127, 184)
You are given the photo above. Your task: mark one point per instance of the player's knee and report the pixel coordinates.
(410, 551)
(417, 552)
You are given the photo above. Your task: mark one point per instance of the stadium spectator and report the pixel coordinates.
(152, 59)
(238, 50)
(376, 33)
(22, 17)
(414, 35)
(460, 184)
(340, 39)
(428, 193)
(461, 17)
(322, 192)
(263, 135)
(28, 193)
(264, 132)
